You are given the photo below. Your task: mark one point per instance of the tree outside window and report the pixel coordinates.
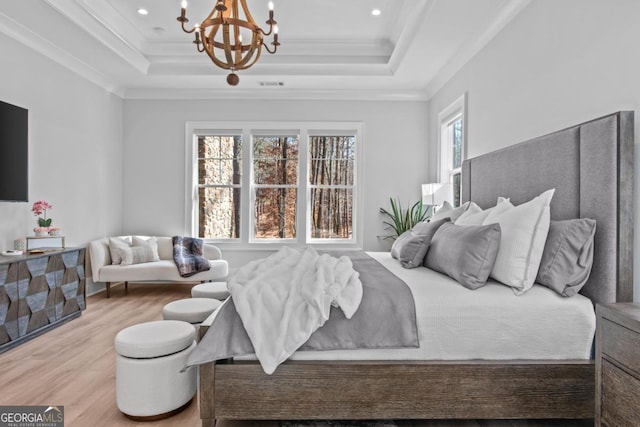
(219, 186)
(296, 186)
(275, 183)
(331, 183)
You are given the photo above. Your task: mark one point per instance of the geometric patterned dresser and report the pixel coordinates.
(39, 292)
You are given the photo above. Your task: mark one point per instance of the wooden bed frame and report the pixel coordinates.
(599, 152)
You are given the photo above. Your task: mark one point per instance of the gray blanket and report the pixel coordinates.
(386, 318)
(187, 254)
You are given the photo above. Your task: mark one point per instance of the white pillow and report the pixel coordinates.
(472, 210)
(151, 243)
(524, 232)
(476, 216)
(448, 211)
(116, 246)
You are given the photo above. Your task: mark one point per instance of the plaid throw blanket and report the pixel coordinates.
(187, 254)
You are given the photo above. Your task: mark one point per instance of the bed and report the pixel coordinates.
(591, 167)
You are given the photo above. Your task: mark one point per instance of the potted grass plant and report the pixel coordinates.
(400, 220)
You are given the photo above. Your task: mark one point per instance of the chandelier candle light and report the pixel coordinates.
(221, 36)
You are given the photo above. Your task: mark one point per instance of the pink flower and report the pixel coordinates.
(40, 207)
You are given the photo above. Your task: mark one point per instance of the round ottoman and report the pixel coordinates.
(192, 310)
(216, 290)
(149, 360)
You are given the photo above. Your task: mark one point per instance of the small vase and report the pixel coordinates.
(41, 231)
(20, 244)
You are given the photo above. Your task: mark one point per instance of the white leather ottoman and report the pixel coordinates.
(192, 310)
(216, 290)
(149, 358)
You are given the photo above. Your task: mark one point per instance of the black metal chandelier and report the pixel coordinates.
(230, 36)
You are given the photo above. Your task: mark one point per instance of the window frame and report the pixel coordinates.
(353, 187)
(248, 130)
(252, 239)
(456, 110)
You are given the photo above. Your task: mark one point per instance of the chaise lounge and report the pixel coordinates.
(162, 270)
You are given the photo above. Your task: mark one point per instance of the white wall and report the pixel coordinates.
(75, 148)
(154, 150)
(557, 64)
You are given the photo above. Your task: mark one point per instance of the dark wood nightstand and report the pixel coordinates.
(618, 365)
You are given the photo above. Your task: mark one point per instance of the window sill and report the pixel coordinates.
(272, 247)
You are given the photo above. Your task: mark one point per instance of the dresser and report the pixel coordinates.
(39, 292)
(618, 365)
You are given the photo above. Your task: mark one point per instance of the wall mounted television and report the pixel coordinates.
(14, 153)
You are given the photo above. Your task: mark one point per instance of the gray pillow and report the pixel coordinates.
(568, 256)
(448, 211)
(465, 253)
(412, 245)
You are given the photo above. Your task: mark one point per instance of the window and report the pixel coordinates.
(331, 184)
(293, 183)
(275, 186)
(452, 145)
(219, 186)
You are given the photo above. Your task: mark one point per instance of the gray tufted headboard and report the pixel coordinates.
(591, 167)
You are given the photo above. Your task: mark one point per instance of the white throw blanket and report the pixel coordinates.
(284, 298)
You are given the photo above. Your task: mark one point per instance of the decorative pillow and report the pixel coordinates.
(138, 255)
(524, 232)
(412, 245)
(465, 253)
(568, 256)
(476, 216)
(151, 243)
(116, 245)
(448, 211)
(473, 209)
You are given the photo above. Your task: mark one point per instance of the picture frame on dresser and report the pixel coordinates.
(44, 243)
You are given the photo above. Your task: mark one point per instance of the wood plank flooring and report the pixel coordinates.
(74, 365)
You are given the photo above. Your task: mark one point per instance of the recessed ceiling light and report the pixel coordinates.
(142, 11)
(376, 12)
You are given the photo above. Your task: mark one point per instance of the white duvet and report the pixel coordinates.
(284, 298)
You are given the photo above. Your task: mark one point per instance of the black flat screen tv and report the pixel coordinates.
(14, 153)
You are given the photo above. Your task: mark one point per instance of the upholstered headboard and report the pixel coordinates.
(591, 167)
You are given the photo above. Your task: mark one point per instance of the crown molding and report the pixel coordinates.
(34, 41)
(418, 15)
(293, 48)
(275, 94)
(97, 19)
(509, 9)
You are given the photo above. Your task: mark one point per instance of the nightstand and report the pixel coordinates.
(618, 365)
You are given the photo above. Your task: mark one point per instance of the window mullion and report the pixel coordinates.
(303, 222)
(246, 194)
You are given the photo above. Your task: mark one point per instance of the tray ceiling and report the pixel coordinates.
(331, 49)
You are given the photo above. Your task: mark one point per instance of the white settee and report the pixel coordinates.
(163, 270)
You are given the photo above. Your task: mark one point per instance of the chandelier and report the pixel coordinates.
(230, 36)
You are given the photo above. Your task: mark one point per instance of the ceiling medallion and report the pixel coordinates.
(230, 36)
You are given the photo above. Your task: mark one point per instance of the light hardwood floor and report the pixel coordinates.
(74, 366)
